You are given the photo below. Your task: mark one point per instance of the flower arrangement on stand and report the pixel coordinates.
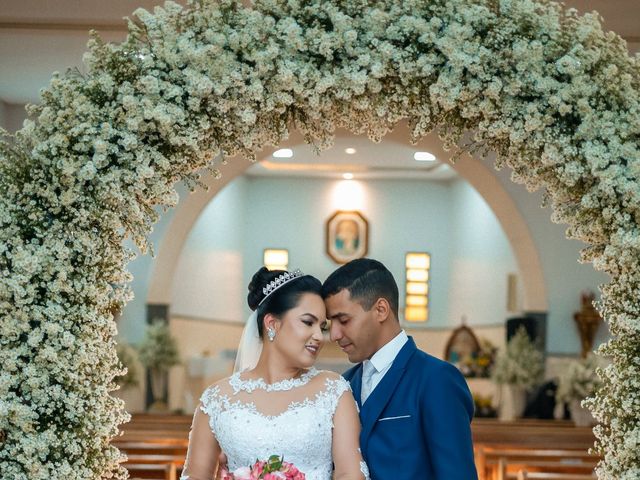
(158, 352)
(517, 369)
(578, 382)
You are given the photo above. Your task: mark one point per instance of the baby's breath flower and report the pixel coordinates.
(546, 89)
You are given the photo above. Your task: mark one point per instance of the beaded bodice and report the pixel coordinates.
(253, 420)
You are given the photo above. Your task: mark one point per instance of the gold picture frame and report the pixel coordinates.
(347, 236)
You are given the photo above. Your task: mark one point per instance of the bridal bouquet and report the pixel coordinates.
(273, 469)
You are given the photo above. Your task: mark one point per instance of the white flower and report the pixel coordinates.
(103, 150)
(521, 364)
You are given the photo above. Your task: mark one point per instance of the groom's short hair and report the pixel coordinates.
(366, 280)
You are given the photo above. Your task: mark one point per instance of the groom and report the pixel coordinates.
(415, 410)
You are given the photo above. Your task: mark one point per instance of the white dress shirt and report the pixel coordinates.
(380, 364)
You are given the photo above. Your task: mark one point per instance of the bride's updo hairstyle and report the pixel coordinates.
(283, 299)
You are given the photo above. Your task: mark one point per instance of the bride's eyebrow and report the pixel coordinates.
(310, 315)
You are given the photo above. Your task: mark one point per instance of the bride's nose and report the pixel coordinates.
(317, 333)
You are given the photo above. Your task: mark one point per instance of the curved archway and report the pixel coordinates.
(472, 170)
(108, 145)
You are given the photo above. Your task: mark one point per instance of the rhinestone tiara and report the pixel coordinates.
(278, 282)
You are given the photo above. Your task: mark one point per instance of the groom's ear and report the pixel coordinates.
(382, 309)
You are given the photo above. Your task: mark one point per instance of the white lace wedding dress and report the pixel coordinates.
(252, 420)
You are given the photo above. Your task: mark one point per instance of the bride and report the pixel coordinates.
(277, 403)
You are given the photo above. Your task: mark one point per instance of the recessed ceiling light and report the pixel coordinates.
(283, 153)
(347, 176)
(424, 157)
(350, 151)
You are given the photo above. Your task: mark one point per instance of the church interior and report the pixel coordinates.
(476, 257)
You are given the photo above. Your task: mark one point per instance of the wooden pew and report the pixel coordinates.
(524, 475)
(152, 471)
(152, 435)
(531, 433)
(146, 428)
(139, 459)
(155, 445)
(502, 464)
(174, 447)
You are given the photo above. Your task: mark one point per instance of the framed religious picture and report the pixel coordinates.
(462, 350)
(347, 235)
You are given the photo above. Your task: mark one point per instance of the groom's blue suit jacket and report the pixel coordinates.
(416, 422)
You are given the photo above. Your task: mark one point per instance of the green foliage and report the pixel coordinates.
(158, 350)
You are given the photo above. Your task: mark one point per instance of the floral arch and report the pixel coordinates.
(548, 91)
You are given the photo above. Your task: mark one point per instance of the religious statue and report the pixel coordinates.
(587, 320)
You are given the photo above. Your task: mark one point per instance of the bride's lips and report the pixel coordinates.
(313, 349)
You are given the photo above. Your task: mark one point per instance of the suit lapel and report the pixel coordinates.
(356, 385)
(379, 398)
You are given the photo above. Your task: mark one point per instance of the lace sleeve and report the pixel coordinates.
(203, 452)
(335, 388)
(211, 404)
(347, 456)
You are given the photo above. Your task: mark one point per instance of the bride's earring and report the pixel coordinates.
(271, 333)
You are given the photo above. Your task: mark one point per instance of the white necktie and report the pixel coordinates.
(367, 380)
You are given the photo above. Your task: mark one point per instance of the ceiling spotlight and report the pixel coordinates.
(424, 157)
(350, 151)
(347, 176)
(283, 153)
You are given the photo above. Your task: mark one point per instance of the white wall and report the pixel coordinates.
(480, 262)
(133, 320)
(209, 279)
(12, 116)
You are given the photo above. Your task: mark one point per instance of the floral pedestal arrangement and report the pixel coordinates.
(158, 352)
(513, 401)
(517, 370)
(158, 386)
(580, 415)
(579, 381)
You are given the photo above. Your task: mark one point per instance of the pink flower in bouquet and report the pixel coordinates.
(273, 469)
(242, 473)
(258, 469)
(275, 476)
(291, 472)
